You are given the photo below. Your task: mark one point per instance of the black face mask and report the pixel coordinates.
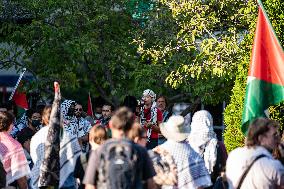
(35, 123)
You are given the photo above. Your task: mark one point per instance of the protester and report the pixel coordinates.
(162, 104)
(99, 101)
(69, 151)
(32, 123)
(97, 137)
(70, 121)
(204, 141)
(150, 118)
(84, 127)
(253, 166)
(191, 170)
(129, 164)
(107, 112)
(12, 154)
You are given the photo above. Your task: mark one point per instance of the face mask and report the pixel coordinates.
(36, 123)
(98, 115)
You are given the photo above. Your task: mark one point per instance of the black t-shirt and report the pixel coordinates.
(145, 169)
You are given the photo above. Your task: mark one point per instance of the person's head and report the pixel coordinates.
(137, 134)
(202, 122)
(263, 132)
(68, 108)
(162, 102)
(107, 111)
(6, 121)
(9, 106)
(78, 110)
(98, 105)
(174, 129)
(34, 118)
(121, 122)
(46, 115)
(148, 97)
(97, 135)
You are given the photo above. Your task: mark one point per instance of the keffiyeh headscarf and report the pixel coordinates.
(69, 122)
(149, 92)
(203, 139)
(153, 120)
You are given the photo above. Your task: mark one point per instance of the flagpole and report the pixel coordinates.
(266, 17)
(17, 84)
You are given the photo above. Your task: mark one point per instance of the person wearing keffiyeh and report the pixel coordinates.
(203, 140)
(150, 118)
(54, 154)
(12, 154)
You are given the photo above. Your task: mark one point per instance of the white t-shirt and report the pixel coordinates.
(266, 172)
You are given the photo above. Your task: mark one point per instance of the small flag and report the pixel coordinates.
(265, 84)
(90, 107)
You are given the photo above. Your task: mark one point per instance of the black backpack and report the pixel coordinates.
(118, 166)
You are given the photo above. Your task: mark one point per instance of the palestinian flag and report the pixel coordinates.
(265, 84)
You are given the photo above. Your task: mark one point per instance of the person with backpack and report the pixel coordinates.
(97, 136)
(203, 140)
(120, 163)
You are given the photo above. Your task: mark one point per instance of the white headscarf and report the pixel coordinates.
(203, 139)
(149, 92)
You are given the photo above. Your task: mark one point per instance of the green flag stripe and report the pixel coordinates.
(259, 96)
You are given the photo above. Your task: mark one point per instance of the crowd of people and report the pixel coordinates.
(140, 145)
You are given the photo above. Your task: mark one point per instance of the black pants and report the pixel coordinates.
(152, 143)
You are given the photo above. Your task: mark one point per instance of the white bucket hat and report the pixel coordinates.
(174, 129)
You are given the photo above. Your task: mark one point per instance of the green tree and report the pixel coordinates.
(86, 45)
(200, 40)
(233, 113)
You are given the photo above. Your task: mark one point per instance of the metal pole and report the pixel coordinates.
(17, 84)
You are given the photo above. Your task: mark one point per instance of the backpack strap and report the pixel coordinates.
(246, 172)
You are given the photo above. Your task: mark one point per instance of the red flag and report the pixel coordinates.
(20, 100)
(90, 107)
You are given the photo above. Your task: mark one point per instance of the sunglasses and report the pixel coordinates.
(78, 109)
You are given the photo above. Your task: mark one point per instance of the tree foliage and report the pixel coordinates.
(233, 113)
(200, 39)
(83, 44)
